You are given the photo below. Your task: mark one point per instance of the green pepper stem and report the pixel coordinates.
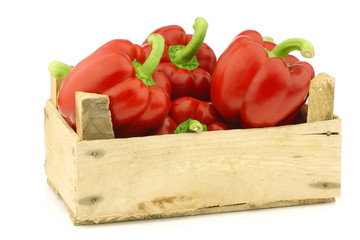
(292, 44)
(268, 39)
(59, 69)
(144, 71)
(184, 56)
(190, 125)
(200, 27)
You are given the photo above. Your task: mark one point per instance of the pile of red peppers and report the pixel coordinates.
(173, 82)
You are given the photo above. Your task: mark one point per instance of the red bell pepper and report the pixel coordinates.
(188, 114)
(254, 87)
(115, 70)
(290, 60)
(187, 60)
(124, 46)
(134, 51)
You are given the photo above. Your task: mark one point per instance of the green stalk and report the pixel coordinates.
(144, 71)
(292, 44)
(189, 126)
(59, 69)
(269, 39)
(184, 56)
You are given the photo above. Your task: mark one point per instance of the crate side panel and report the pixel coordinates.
(206, 210)
(60, 144)
(139, 177)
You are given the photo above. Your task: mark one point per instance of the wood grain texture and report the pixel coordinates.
(321, 98)
(55, 85)
(206, 210)
(93, 117)
(165, 175)
(60, 155)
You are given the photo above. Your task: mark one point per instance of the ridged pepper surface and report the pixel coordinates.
(188, 114)
(119, 69)
(187, 60)
(255, 87)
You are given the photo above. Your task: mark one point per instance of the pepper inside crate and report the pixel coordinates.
(300, 164)
(104, 159)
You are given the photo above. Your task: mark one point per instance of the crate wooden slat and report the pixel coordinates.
(321, 98)
(175, 175)
(93, 117)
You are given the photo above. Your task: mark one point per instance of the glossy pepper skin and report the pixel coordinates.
(254, 87)
(185, 108)
(136, 104)
(290, 60)
(187, 61)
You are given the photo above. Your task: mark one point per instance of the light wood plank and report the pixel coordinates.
(55, 85)
(207, 210)
(166, 175)
(93, 117)
(60, 155)
(321, 98)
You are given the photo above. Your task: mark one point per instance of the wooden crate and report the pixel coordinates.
(110, 180)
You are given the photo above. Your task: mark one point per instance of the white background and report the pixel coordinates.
(34, 33)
